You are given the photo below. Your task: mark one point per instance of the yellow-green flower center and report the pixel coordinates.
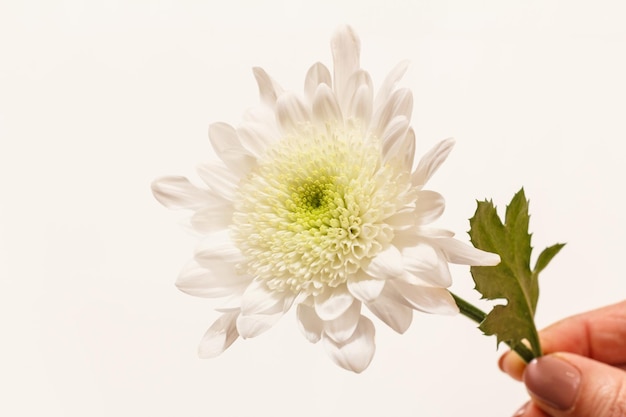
(311, 200)
(314, 209)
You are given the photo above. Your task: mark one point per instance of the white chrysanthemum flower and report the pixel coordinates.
(314, 205)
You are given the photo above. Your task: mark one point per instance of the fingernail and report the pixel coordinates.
(553, 380)
(521, 411)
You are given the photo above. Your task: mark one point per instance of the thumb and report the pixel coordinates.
(565, 384)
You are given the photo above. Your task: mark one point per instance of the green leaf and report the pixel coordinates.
(546, 256)
(512, 279)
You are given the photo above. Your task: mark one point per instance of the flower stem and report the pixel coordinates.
(474, 313)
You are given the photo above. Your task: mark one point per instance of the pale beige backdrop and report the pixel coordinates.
(98, 98)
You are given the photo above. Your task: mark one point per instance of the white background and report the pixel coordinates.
(99, 98)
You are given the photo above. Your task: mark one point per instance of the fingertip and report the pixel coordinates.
(530, 410)
(511, 364)
(568, 384)
(553, 382)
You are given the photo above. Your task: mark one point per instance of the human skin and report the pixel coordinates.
(583, 370)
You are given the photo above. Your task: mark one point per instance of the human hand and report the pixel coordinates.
(583, 372)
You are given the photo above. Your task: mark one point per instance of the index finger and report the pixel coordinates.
(598, 334)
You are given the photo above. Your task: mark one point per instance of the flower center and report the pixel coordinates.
(311, 199)
(313, 211)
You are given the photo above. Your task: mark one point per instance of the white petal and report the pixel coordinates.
(310, 324)
(220, 179)
(358, 87)
(220, 336)
(211, 279)
(396, 142)
(216, 216)
(259, 299)
(258, 130)
(392, 313)
(427, 299)
(178, 192)
(333, 302)
(262, 118)
(390, 82)
(432, 232)
(316, 75)
(359, 78)
(231, 302)
(325, 107)
(360, 107)
(346, 49)
(409, 155)
(253, 138)
(458, 252)
(356, 353)
(218, 247)
(254, 325)
(402, 221)
(400, 103)
(424, 262)
(269, 90)
(386, 265)
(261, 308)
(419, 256)
(343, 327)
(438, 276)
(430, 162)
(364, 287)
(228, 148)
(222, 136)
(430, 206)
(291, 112)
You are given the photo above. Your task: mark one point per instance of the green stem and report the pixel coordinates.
(474, 313)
